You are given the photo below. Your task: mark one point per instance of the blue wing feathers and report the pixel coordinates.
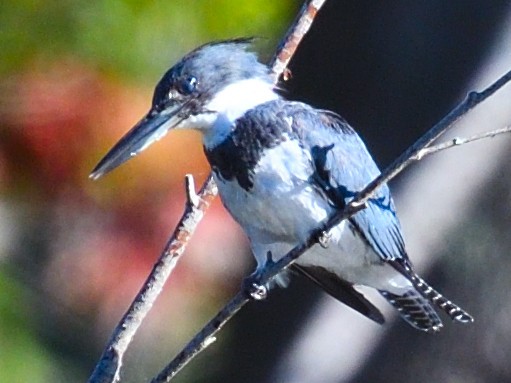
(343, 167)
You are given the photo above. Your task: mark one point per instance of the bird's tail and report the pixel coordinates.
(455, 312)
(415, 309)
(415, 305)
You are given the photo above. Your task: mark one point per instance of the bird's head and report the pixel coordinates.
(219, 80)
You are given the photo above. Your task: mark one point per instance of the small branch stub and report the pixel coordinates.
(457, 141)
(208, 341)
(191, 195)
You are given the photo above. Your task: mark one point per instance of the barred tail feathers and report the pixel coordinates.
(415, 309)
(455, 312)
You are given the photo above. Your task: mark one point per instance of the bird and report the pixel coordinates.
(282, 168)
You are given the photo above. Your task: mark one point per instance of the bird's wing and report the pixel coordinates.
(341, 290)
(343, 167)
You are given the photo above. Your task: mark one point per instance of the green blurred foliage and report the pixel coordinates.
(22, 358)
(128, 37)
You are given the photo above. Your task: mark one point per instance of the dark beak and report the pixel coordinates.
(148, 130)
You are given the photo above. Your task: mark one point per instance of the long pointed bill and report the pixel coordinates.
(148, 130)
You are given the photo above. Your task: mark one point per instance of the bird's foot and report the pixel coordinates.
(252, 284)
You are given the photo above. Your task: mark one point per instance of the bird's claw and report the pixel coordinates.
(254, 289)
(258, 292)
(324, 239)
(252, 284)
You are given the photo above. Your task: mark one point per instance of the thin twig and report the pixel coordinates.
(457, 141)
(198, 343)
(108, 368)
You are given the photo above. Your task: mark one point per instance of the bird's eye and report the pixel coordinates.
(188, 85)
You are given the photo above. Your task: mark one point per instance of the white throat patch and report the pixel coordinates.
(235, 99)
(231, 103)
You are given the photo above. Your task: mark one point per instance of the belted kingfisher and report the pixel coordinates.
(282, 168)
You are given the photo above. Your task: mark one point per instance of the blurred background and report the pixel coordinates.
(76, 75)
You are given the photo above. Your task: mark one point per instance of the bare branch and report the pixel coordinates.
(108, 368)
(198, 343)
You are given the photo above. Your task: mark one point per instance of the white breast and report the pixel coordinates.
(281, 204)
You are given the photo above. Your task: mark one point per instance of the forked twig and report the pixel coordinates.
(457, 141)
(108, 368)
(406, 158)
(420, 149)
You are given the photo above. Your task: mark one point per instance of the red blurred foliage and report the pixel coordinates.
(105, 235)
(50, 120)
